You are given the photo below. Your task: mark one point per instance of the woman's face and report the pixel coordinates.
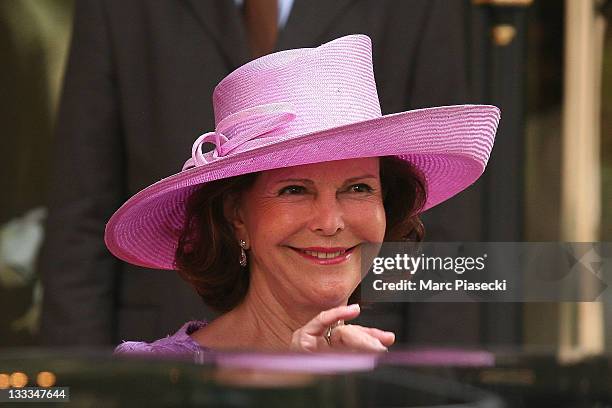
(305, 226)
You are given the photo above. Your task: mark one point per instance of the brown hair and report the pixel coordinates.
(207, 252)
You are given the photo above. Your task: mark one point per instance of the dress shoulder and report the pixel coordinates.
(179, 343)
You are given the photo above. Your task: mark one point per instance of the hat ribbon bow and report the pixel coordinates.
(239, 128)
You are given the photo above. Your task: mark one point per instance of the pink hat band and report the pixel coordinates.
(240, 130)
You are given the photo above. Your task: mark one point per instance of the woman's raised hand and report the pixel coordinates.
(311, 337)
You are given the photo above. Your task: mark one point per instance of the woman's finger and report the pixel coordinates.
(387, 338)
(355, 339)
(318, 325)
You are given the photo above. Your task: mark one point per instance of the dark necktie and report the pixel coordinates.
(260, 19)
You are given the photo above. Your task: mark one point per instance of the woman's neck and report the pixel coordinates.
(261, 322)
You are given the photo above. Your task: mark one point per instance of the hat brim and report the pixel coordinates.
(450, 145)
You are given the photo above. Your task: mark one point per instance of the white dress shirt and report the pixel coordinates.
(284, 8)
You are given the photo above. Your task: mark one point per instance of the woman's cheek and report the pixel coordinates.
(370, 218)
(286, 215)
(381, 222)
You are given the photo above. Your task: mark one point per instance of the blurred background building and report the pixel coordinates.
(34, 38)
(547, 63)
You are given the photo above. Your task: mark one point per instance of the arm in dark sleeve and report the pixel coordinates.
(440, 75)
(78, 272)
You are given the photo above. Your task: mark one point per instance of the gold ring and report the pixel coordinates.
(328, 332)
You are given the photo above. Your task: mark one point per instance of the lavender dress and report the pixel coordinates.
(180, 343)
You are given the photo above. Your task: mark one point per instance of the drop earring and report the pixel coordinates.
(243, 257)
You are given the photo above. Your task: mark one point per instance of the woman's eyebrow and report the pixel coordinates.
(365, 176)
(308, 181)
(294, 180)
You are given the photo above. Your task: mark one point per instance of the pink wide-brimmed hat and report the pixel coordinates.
(302, 106)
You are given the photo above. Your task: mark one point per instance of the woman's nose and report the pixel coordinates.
(327, 216)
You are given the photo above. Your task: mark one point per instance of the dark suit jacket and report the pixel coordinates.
(137, 93)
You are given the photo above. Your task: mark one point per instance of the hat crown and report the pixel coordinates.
(325, 87)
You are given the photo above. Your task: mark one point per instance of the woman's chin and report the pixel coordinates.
(327, 298)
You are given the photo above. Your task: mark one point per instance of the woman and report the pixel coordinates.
(269, 226)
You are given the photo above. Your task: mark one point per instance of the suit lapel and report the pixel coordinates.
(309, 21)
(221, 19)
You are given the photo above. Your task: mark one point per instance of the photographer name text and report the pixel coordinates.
(430, 285)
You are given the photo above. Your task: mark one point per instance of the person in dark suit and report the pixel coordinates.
(135, 98)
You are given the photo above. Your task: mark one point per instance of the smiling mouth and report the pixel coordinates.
(325, 253)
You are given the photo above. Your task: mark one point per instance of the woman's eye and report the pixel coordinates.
(291, 190)
(360, 188)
